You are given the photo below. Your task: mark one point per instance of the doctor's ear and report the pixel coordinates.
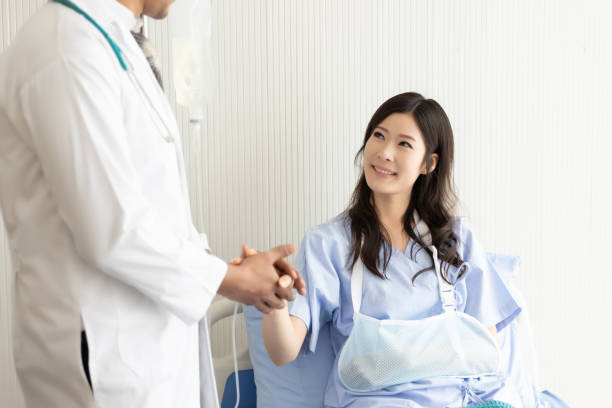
(434, 162)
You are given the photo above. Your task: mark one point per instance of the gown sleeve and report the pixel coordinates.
(488, 298)
(317, 263)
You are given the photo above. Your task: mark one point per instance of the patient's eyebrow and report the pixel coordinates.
(400, 135)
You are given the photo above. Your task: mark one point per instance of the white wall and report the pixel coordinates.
(526, 85)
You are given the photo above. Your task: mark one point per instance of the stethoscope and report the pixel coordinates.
(129, 69)
(125, 64)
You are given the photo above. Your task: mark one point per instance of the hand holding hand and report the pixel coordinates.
(293, 279)
(255, 280)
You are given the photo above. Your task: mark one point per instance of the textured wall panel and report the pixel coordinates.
(525, 83)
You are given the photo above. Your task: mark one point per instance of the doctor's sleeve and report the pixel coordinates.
(201, 238)
(81, 144)
(317, 307)
(488, 298)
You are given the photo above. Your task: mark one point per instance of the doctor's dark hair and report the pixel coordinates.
(433, 194)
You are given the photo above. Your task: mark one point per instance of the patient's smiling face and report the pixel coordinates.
(394, 155)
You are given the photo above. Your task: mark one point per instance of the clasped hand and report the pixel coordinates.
(263, 279)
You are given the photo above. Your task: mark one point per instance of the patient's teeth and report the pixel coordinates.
(383, 171)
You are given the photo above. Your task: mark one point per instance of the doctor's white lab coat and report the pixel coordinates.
(96, 207)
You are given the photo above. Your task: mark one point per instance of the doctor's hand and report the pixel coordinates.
(294, 279)
(254, 281)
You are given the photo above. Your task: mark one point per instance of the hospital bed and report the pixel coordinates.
(302, 383)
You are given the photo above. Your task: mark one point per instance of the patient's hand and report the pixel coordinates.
(255, 281)
(246, 252)
(285, 281)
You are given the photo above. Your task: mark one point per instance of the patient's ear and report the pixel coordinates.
(434, 163)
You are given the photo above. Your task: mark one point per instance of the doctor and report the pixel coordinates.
(94, 198)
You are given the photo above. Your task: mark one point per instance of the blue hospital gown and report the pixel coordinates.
(480, 292)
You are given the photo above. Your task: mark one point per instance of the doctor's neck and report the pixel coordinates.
(156, 9)
(390, 208)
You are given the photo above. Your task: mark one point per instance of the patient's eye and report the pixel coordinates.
(405, 144)
(378, 135)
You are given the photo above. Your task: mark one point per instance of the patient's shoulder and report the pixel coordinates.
(460, 225)
(332, 237)
(463, 231)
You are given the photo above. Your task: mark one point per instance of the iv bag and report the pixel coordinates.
(190, 34)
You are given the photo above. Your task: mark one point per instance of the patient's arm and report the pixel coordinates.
(283, 335)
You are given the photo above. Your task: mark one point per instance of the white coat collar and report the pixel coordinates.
(118, 20)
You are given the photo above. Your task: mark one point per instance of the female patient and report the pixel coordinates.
(412, 300)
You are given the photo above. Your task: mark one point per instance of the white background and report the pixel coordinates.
(527, 85)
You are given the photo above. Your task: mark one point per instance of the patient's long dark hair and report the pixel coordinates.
(433, 194)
